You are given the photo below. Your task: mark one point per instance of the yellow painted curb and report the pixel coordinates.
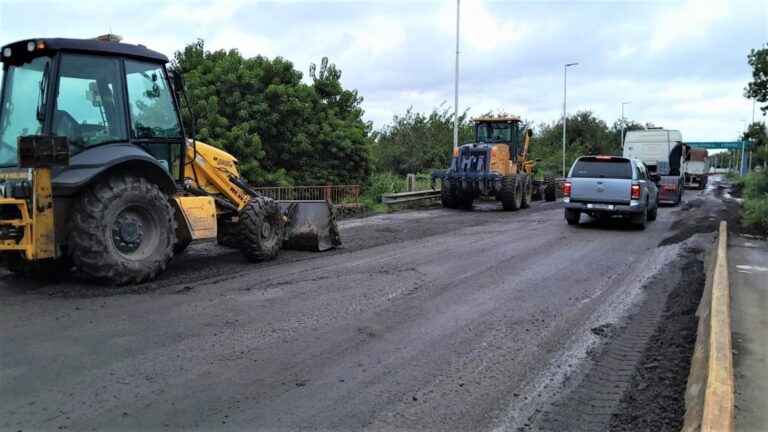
(709, 397)
(719, 396)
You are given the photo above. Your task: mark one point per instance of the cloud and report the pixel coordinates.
(196, 12)
(694, 19)
(483, 27)
(682, 64)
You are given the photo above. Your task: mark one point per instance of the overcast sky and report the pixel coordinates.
(682, 64)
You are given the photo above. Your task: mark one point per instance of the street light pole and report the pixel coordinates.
(456, 83)
(622, 124)
(565, 85)
(743, 137)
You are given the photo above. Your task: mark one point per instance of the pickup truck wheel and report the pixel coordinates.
(572, 217)
(527, 191)
(639, 220)
(652, 213)
(511, 192)
(549, 188)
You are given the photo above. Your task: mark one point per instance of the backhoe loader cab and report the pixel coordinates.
(97, 173)
(494, 166)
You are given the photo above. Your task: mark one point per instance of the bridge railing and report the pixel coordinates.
(337, 195)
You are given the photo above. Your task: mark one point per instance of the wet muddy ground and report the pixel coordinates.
(425, 319)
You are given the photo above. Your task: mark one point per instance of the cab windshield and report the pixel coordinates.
(21, 107)
(494, 132)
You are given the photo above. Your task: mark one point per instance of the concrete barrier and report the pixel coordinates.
(709, 396)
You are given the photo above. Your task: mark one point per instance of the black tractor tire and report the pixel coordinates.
(262, 229)
(511, 192)
(538, 191)
(549, 188)
(122, 231)
(448, 197)
(639, 220)
(572, 216)
(527, 196)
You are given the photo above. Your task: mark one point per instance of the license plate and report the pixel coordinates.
(600, 206)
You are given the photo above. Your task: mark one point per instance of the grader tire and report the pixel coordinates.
(448, 197)
(122, 231)
(262, 229)
(511, 192)
(549, 188)
(527, 195)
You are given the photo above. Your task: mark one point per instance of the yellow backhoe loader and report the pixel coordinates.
(98, 176)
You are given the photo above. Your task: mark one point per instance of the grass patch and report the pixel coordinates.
(386, 182)
(755, 193)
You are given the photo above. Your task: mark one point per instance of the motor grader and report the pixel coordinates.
(98, 175)
(494, 166)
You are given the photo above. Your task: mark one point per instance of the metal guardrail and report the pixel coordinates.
(397, 198)
(337, 195)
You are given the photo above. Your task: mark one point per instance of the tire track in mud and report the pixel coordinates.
(599, 398)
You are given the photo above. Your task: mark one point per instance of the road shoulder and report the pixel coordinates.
(748, 270)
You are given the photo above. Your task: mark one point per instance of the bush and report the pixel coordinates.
(378, 184)
(387, 182)
(755, 195)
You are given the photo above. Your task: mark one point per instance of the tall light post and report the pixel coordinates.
(565, 86)
(743, 138)
(456, 83)
(622, 124)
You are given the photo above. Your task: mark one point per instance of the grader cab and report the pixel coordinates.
(98, 175)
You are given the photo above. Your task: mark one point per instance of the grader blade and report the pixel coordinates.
(310, 225)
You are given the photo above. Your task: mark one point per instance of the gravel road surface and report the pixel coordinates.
(435, 319)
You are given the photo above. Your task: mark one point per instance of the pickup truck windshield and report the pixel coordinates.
(609, 168)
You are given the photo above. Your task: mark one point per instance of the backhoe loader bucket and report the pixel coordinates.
(310, 225)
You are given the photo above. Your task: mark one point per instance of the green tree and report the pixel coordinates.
(282, 131)
(756, 133)
(416, 142)
(585, 134)
(758, 88)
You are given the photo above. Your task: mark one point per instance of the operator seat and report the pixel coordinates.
(66, 125)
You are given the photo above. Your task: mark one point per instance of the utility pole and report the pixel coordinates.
(622, 124)
(565, 86)
(456, 83)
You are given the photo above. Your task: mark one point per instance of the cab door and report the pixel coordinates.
(154, 121)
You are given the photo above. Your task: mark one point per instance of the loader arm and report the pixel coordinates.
(211, 169)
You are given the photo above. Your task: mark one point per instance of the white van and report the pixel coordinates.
(651, 145)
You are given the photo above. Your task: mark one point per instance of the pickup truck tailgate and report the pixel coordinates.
(601, 179)
(607, 190)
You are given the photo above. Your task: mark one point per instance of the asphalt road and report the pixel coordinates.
(435, 319)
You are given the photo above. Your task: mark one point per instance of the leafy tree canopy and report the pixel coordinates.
(758, 88)
(282, 130)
